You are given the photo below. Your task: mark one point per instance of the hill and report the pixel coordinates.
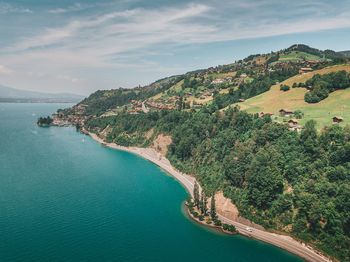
(337, 104)
(9, 94)
(345, 53)
(215, 86)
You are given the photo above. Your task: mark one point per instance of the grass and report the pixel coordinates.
(297, 55)
(178, 87)
(338, 102)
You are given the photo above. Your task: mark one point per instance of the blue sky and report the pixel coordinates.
(82, 46)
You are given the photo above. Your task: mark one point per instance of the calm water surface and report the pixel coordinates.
(64, 197)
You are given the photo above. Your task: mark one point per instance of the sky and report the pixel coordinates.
(83, 46)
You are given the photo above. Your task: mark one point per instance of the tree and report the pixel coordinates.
(203, 204)
(298, 114)
(44, 121)
(196, 194)
(213, 208)
(265, 181)
(284, 88)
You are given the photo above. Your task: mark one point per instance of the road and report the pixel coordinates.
(284, 242)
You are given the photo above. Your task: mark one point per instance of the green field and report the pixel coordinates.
(337, 104)
(297, 55)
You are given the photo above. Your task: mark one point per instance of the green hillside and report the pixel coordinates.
(337, 104)
(216, 87)
(298, 56)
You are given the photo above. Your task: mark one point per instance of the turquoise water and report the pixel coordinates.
(64, 197)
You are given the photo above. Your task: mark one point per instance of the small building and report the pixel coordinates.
(241, 100)
(286, 112)
(337, 119)
(218, 81)
(297, 128)
(262, 114)
(304, 70)
(292, 122)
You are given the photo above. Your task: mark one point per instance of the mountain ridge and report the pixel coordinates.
(10, 94)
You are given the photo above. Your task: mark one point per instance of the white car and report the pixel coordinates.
(249, 229)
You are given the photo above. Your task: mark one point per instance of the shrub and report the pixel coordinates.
(284, 88)
(298, 114)
(228, 227)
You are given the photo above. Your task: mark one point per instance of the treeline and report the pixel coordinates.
(335, 57)
(44, 121)
(297, 183)
(322, 85)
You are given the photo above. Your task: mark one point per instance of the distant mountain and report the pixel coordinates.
(9, 94)
(345, 53)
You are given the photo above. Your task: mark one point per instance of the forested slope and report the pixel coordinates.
(296, 183)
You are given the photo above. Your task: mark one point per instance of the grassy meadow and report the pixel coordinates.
(337, 104)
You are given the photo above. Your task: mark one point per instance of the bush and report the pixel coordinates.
(284, 88)
(298, 114)
(316, 95)
(228, 227)
(217, 222)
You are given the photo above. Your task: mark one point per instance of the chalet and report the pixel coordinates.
(292, 122)
(297, 128)
(312, 62)
(304, 70)
(286, 112)
(218, 81)
(337, 119)
(262, 114)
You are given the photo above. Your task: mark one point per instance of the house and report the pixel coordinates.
(218, 81)
(262, 114)
(286, 112)
(304, 70)
(337, 119)
(292, 122)
(297, 128)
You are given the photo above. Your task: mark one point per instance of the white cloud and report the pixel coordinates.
(106, 39)
(5, 70)
(72, 8)
(70, 78)
(9, 8)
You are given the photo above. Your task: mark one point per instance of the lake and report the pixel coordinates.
(64, 197)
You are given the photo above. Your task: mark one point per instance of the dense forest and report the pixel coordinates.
(283, 180)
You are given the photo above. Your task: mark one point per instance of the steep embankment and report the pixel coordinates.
(338, 102)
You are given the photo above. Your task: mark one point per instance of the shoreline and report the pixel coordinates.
(282, 241)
